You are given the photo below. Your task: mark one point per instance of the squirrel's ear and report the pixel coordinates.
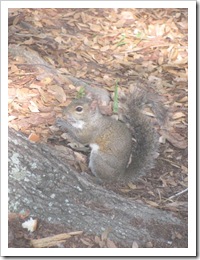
(94, 105)
(89, 95)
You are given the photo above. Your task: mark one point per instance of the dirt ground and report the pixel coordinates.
(147, 47)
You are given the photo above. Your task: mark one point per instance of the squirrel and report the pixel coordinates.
(114, 156)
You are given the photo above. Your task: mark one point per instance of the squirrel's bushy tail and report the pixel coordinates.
(145, 148)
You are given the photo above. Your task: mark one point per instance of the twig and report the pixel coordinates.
(177, 194)
(171, 162)
(53, 240)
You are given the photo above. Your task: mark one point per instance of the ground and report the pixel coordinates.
(107, 48)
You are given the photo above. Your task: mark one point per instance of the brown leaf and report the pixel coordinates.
(33, 107)
(125, 190)
(110, 244)
(177, 205)
(135, 244)
(178, 235)
(175, 139)
(178, 115)
(12, 216)
(152, 203)
(184, 99)
(149, 244)
(14, 68)
(97, 239)
(87, 242)
(10, 118)
(102, 244)
(105, 48)
(58, 92)
(104, 235)
(73, 233)
(34, 138)
(46, 80)
(184, 169)
(29, 41)
(95, 27)
(132, 186)
(36, 120)
(22, 94)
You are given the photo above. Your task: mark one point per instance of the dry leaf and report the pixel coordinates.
(132, 186)
(46, 80)
(152, 203)
(10, 118)
(177, 205)
(110, 244)
(125, 190)
(87, 242)
(34, 138)
(58, 92)
(73, 233)
(105, 48)
(149, 244)
(33, 107)
(59, 39)
(175, 139)
(160, 60)
(95, 27)
(14, 68)
(12, 216)
(184, 169)
(104, 235)
(97, 239)
(178, 235)
(178, 115)
(184, 99)
(29, 41)
(102, 244)
(135, 244)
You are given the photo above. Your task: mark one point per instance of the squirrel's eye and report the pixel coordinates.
(79, 109)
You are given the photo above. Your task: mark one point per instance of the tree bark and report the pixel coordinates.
(41, 181)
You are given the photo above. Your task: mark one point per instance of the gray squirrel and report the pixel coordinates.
(114, 156)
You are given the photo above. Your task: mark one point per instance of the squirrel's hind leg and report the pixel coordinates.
(109, 169)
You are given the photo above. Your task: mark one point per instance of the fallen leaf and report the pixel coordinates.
(132, 186)
(184, 99)
(87, 242)
(33, 138)
(58, 92)
(135, 244)
(46, 80)
(110, 244)
(95, 27)
(178, 115)
(175, 139)
(149, 244)
(97, 239)
(104, 235)
(33, 107)
(152, 203)
(10, 118)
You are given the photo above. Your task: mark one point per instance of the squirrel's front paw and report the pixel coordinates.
(62, 124)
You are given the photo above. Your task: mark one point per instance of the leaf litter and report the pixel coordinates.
(53, 53)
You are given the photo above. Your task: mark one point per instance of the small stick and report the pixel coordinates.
(53, 240)
(177, 194)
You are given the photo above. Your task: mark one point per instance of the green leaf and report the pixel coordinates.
(81, 92)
